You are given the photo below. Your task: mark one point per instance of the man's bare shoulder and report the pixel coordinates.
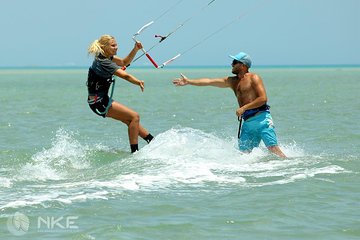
(253, 76)
(231, 78)
(232, 81)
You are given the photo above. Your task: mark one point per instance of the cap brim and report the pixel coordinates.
(233, 57)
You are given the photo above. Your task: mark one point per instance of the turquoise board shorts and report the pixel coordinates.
(257, 128)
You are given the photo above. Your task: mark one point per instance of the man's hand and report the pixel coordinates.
(182, 81)
(240, 111)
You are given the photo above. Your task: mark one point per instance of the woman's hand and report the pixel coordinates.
(142, 85)
(138, 45)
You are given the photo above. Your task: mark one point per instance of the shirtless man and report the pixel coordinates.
(251, 96)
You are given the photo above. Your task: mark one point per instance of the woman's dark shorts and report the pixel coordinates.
(99, 104)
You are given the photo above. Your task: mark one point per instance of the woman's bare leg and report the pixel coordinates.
(129, 117)
(142, 131)
(132, 120)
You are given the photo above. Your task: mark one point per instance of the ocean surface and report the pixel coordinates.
(66, 173)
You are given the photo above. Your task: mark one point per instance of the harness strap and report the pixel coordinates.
(240, 122)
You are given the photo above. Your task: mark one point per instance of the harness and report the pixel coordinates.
(251, 112)
(98, 87)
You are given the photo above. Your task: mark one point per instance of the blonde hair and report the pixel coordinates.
(99, 45)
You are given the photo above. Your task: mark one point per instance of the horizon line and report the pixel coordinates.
(184, 66)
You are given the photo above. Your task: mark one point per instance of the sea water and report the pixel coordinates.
(66, 173)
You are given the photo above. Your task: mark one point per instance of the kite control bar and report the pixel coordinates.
(144, 51)
(163, 37)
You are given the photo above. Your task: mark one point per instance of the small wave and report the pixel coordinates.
(5, 182)
(65, 153)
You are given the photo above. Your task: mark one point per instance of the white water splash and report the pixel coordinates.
(51, 164)
(180, 158)
(191, 157)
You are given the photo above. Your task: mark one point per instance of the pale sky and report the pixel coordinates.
(272, 32)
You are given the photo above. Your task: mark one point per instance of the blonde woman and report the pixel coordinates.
(105, 65)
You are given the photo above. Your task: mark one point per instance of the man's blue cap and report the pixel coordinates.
(242, 57)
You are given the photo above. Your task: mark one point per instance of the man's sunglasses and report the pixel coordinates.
(234, 62)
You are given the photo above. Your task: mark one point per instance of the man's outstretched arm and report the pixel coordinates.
(215, 82)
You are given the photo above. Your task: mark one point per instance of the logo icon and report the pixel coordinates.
(18, 224)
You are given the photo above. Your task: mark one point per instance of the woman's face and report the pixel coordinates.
(112, 48)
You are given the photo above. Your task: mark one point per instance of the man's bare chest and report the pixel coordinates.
(244, 87)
